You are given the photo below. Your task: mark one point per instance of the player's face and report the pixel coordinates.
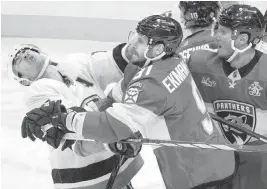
(137, 45)
(28, 64)
(223, 38)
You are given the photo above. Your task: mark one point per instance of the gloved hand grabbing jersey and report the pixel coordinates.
(49, 113)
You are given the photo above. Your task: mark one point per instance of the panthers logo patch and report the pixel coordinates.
(236, 112)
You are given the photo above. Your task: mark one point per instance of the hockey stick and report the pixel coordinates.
(239, 128)
(115, 170)
(202, 145)
(185, 144)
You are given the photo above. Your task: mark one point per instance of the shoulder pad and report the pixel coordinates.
(200, 59)
(73, 65)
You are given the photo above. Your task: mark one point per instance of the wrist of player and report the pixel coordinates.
(73, 121)
(65, 123)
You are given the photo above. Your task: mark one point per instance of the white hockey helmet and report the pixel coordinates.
(11, 60)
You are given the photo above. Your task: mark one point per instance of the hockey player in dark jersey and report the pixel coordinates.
(233, 83)
(198, 17)
(162, 102)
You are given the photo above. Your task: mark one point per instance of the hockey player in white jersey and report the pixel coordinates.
(79, 81)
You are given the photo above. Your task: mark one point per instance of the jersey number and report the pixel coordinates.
(144, 71)
(194, 15)
(206, 123)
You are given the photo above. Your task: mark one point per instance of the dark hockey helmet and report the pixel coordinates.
(199, 13)
(160, 29)
(244, 19)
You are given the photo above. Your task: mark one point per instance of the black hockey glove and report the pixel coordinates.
(55, 134)
(49, 113)
(128, 150)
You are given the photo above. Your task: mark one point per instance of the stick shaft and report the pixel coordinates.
(183, 144)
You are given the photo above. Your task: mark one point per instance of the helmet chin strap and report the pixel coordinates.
(236, 50)
(47, 61)
(148, 60)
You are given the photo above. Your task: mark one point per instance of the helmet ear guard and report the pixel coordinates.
(243, 19)
(12, 56)
(160, 29)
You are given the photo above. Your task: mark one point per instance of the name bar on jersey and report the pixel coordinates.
(186, 53)
(234, 106)
(176, 77)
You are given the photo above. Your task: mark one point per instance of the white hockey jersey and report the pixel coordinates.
(89, 164)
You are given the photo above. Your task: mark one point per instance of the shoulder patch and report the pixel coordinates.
(132, 92)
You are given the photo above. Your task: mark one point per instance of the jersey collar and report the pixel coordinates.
(243, 71)
(117, 55)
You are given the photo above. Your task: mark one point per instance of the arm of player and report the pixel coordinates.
(142, 111)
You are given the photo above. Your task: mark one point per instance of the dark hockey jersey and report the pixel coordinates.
(162, 102)
(241, 100)
(201, 40)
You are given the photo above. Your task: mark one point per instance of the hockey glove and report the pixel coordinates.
(54, 136)
(128, 150)
(49, 113)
